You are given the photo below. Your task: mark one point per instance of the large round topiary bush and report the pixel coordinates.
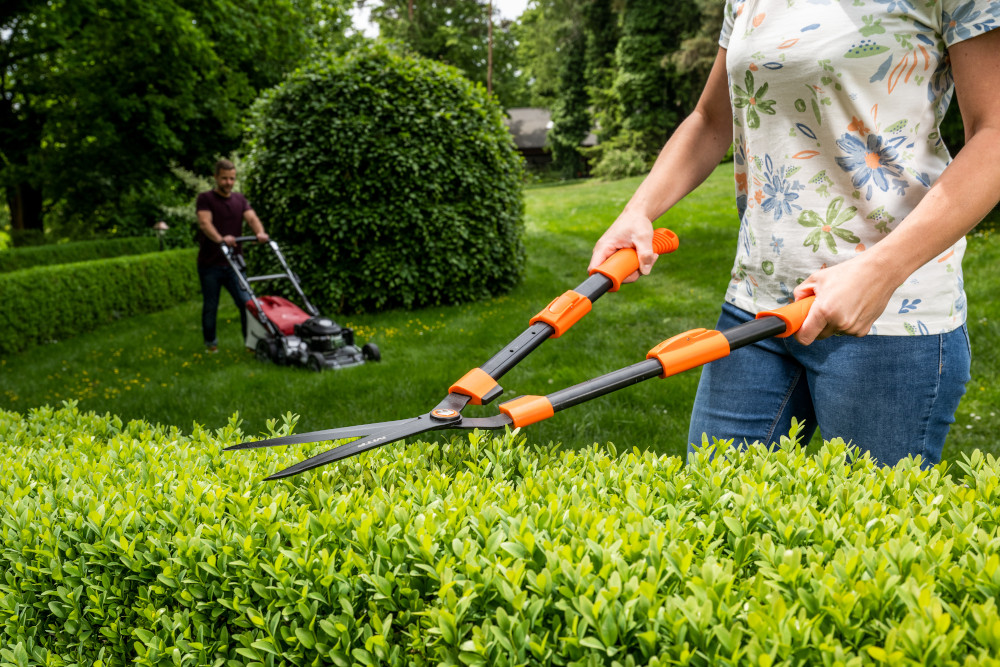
(390, 181)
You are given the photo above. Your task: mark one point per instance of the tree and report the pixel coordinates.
(563, 48)
(651, 93)
(99, 97)
(456, 32)
(538, 34)
(571, 120)
(601, 23)
(696, 54)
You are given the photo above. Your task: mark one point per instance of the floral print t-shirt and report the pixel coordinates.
(836, 110)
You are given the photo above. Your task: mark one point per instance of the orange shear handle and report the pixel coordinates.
(793, 315)
(625, 262)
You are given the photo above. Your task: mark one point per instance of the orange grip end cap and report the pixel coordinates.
(564, 311)
(475, 384)
(793, 315)
(689, 350)
(625, 262)
(527, 410)
(665, 241)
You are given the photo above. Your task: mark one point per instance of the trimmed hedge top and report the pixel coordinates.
(16, 259)
(138, 544)
(390, 180)
(48, 303)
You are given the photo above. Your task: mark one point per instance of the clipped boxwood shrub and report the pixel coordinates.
(48, 303)
(128, 543)
(391, 180)
(15, 259)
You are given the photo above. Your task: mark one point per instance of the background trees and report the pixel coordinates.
(103, 101)
(456, 32)
(608, 65)
(99, 97)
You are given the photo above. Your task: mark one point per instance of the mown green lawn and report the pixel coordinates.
(153, 367)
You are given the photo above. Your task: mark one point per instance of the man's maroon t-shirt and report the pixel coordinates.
(227, 218)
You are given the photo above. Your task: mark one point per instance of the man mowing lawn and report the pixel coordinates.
(221, 214)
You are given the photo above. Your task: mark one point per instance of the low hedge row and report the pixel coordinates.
(55, 302)
(127, 543)
(17, 259)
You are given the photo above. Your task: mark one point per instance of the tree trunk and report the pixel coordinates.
(489, 51)
(25, 203)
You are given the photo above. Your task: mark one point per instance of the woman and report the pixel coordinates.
(846, 192)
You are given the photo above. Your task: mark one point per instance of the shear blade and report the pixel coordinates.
(320, 436)
(410, 427)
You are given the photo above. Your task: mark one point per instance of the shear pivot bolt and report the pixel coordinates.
(444, 413)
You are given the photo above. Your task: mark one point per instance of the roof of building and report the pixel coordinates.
(530, 126)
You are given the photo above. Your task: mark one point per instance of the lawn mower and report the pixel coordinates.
(479, 386)
(278, 331)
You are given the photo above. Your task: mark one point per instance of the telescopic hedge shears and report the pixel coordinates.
(479, 386)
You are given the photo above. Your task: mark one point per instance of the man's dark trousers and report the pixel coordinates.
(213, 279)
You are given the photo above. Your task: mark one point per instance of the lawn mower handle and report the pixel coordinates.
(287, 272)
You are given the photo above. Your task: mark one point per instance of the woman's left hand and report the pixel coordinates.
(849, 298)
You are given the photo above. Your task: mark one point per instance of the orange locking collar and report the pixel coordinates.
(527, 409)
(688, 350)
(564, 311)
(476, 384)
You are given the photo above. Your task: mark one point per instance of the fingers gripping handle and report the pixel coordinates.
(625, 262)
(793, 315)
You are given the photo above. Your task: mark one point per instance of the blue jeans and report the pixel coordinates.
(213, 279)
(890, 395)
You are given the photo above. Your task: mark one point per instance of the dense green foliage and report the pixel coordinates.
(457, 33)
(631, 71)
(571, 120)
(126, 543)
(653, 96)
(23, 258)
(47, 303)
(390, 180)
(601, 25)
(99, 97)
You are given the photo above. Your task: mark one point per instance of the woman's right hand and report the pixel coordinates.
(630, 230)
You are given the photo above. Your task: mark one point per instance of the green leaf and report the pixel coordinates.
(516, 549)
(363, 656)
(305, 636)
(265, 645)
(878, 653)
(609, 630)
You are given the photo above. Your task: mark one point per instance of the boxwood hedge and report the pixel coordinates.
(390, 180)
(56, 302)
(129, 543)
(15, 259)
